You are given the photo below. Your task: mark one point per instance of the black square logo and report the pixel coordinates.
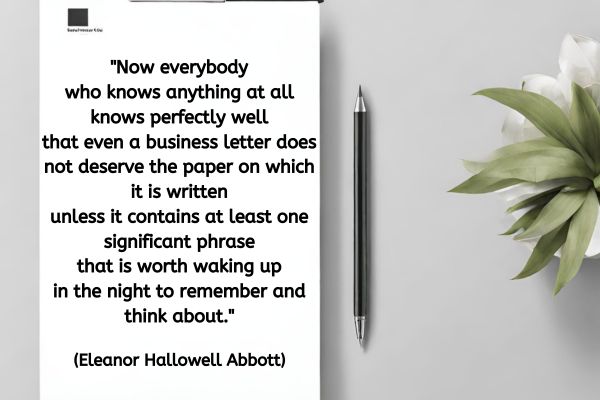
(78, 17)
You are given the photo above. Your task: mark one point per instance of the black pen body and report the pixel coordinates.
(360, 213)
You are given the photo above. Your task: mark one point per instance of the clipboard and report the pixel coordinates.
(167, 76)
(212, 1)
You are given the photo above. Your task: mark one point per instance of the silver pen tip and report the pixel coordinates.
(360, 102)
(359, 323)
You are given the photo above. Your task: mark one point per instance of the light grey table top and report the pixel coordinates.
(445, 320)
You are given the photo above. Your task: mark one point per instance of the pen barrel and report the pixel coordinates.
(360, 214)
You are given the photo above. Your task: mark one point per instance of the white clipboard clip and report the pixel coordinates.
(208, 1)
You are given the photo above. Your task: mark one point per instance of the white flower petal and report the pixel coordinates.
(517, 129)
(579, 59)
(548, 87)
(564, 83)
(593, 249)
(512, 129)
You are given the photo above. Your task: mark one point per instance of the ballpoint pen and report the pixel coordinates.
(360, 216)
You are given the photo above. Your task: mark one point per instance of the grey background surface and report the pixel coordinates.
(445, 321)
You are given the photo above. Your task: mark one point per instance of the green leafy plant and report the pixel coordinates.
(568, 158)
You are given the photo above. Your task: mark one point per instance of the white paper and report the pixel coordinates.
(280, 44)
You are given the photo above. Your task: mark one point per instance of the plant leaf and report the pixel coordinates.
(526, 146)
(478, 184)
(542, 113)
(476, 167)
(545, 248)
(579, 236)
(555, 213)
(540, 165)
(536, 200)
(597, 182)
(534, 166)
(524, 222)
(585, 120)
(577, 184)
